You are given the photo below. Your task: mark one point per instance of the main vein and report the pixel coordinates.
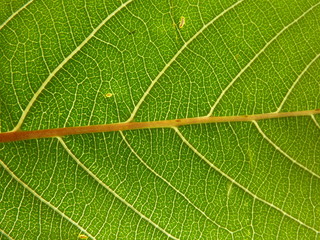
(59, 132)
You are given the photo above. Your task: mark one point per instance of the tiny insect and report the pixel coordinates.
(109, 95)
(82, 236)
(182, 22)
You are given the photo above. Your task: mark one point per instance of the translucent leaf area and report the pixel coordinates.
(81, 63)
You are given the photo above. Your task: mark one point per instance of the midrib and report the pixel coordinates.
(59, 132)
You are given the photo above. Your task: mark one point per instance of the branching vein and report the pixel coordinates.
(112, 191)
(168, 183)
(241, 186)
(60, 66)
(15, 177)
(15, 14)
(173, 59)
(283, 152)
(256, 56)
(296, 81)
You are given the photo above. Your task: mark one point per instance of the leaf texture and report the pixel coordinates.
(81, 63)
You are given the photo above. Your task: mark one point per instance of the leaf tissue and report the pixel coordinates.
(146, 119)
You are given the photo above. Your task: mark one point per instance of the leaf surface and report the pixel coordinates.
(82, 63)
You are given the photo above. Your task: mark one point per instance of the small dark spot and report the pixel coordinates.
(178, 120)
(132, 32)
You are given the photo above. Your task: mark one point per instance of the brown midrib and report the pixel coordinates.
(54, 132)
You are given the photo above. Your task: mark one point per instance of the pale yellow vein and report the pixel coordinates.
(256, 56)
(111, 190)
(283, 152)
(60, 66)
(241, 186)
(15, 177)
(315, 121)
(15, 14)
(185, 45)
(168, 183)
(296, 81)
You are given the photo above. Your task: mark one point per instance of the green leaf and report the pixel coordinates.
(83, 63)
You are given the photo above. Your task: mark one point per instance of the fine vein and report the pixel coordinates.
(296, 81)
(60, 66)
(136, 108)
(283, 152)
(112, 191)
(239, 185)
(168, 183)
(256, 56)
(5, 234)
(44, 200)
(15, 14)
